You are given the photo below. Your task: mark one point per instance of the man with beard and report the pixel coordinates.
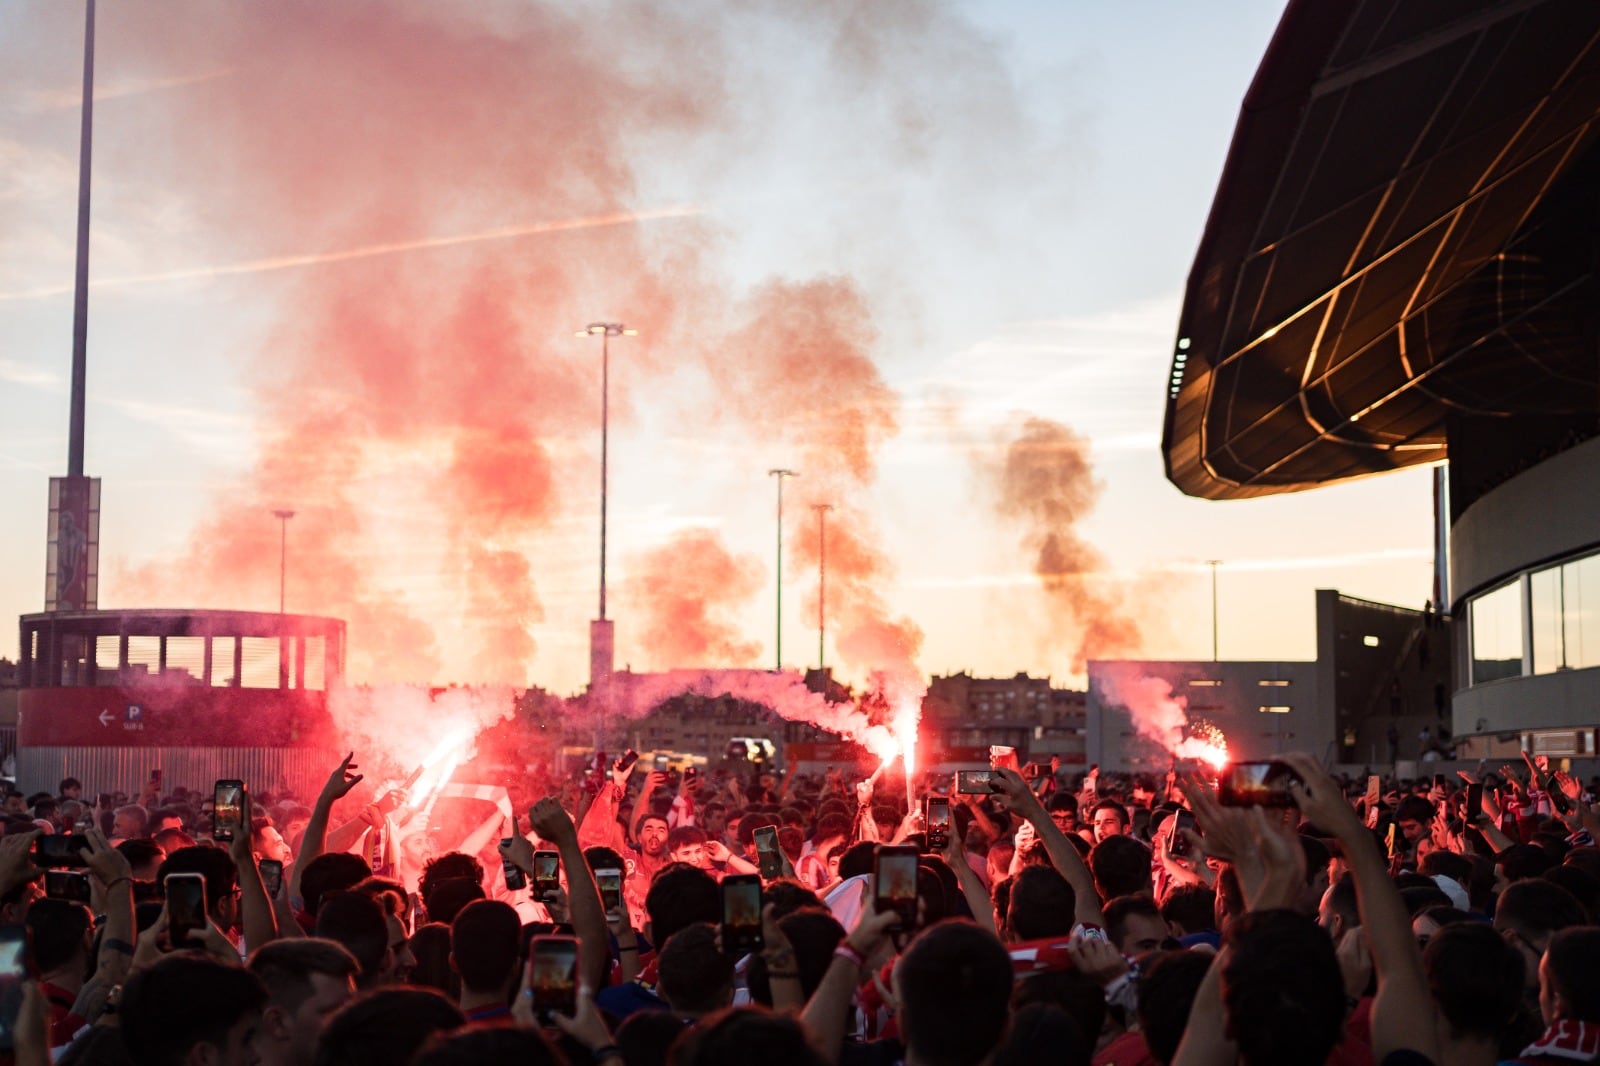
(645, 853)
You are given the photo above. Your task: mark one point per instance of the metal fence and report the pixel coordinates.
(301, 770)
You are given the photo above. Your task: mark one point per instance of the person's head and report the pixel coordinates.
(651, 832)
(788, 896)
(489, 1044)
(1426, 923)
(429, 946)
(144, 858)
(329, 873)
(687, 844)
(130, 821)
(1108, 818)
(744, 1035)
(449, 866)
(680, 896)
(484, 940)
(163, 818)
(832, 830)
(714, 819)
(306, 979)
(1134, 924)
(1584, 887)
(1190, 909)
(857, 859)
(451, 894)
(1414, 818)
(1282, 989)
(1476, 979)
(1166, 992)
(695, 977)
(1121, 867)
(59, 936)
(71, 788)
(1041, 903)
(1528, 914)
(221, 876)
(1521, 861)
(645, 1036)
(1337, 913)
(1063, 809)
(355, 920)
(187, 1003)
(1569, 979)
(813, 934)
(954, 987)
(385, 1026)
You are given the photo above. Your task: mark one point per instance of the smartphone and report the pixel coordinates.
(515, 878)
(1257, 784)
(186, 907)
(661, 763)
(1003, 757)
(973, 782)
(1374, 790)
(271, 876)
(546, 874)
(625, 763)
(936, 814)
(895, 883)
(768, 861)
(66, 884)
(13, 973)
(59, 850)
(1389, 842)
(227, 813)
(741, 914)
(1180, 843)
(1474, 808)
(553, 975)
(609, 881)
(1438, 780)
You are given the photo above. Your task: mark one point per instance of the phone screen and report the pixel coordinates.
(625, 763)
(609, 881)
(228, 801)
(895, 883)
(1374, 790)
(547, 873)
(61, 850)
(938, 819)
(1180, 843)
(1257, 784)
(553, 962)
(767, 858)
(271, 876)
(515, 878)
(973, 782)
(13, 972)
(186, 907)
(66, 885)
(741, 914)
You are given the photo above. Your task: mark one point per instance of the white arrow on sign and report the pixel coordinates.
(105, 718)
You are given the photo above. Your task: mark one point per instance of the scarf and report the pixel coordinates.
(1579, 1041)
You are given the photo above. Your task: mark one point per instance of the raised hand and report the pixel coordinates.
(551, 822)
(104, 861)
(342, 780)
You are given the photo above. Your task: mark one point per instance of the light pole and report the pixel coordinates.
(601, 641)
(822, 510)
(1214, 563)
(780, 474)
(283, 553)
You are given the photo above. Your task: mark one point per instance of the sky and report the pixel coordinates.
(928, 255)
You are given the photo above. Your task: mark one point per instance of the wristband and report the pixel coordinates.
(115, 881)
(606, 1052)
(117, 944)
(627, 947)
(849, 954)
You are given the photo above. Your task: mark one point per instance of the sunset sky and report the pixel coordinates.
(339, 252)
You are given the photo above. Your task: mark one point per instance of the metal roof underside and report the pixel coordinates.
(1404, 230)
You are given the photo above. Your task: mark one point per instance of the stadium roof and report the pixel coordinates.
(1404, 232)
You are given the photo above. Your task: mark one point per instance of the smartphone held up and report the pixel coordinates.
(1256, 784)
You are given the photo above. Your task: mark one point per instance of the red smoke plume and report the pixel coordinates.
(681, 602)
(1047, 486)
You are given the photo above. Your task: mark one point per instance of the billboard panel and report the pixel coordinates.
(72, 557)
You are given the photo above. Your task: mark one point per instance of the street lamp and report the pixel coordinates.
(283, 552)
(822, 510)
(601, 642)
(780, 474)
(1214, 563)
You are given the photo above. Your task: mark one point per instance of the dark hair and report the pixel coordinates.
(684, 836)
(1044, 1032)
(472, 1046)
(356, 921)
(56, 929)
(695, 977)
(1121, 867)
(681, 896)
(390, 895)
(1570, 959)
(857, 859)
(385, 1026)
(1419, 898)
(1061, 800)
(1042, 903)
(1192, 908)
(603, 858)
(1166, 992)
(1537, 908)
(1119, 910)
(748, 824)
(451, 894)
(1071, 990)
(214, 864)
(1282, 988)
(1521, 861)
(431, 947)
(813, 934)
(742, 1035)
(451, 864)
(286, 967)
(185, 999)
(70, 782)
(1584, 888)
(1416, 809)
(645, 1035)
(1440, 863)
(483, 942)
(140, 850)
(787, 896)
(330, 872)
(1476, 978)
(955, 990)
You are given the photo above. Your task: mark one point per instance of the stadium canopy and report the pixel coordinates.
(1403, 243)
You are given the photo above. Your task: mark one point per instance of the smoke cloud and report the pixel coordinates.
(683, 599)
(1159, 716)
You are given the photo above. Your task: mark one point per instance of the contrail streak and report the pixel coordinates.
(291, 262)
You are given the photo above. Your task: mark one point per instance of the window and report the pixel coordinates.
(1370, 640)
(1565, 604)
(1497, 634)
(1269, 682)
(1279, 709)
(1204, 682)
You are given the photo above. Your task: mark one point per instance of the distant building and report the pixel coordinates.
(962, 714)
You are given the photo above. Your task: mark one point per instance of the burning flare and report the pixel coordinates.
(1206, 744)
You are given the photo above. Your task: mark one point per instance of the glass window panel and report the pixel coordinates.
(316, 662)
(186, 659)
(1497, 634)
(1544, 592)
(258, 666)
(1581, 586)
(144, 659)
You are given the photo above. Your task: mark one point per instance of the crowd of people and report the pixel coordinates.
(1057, 918)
